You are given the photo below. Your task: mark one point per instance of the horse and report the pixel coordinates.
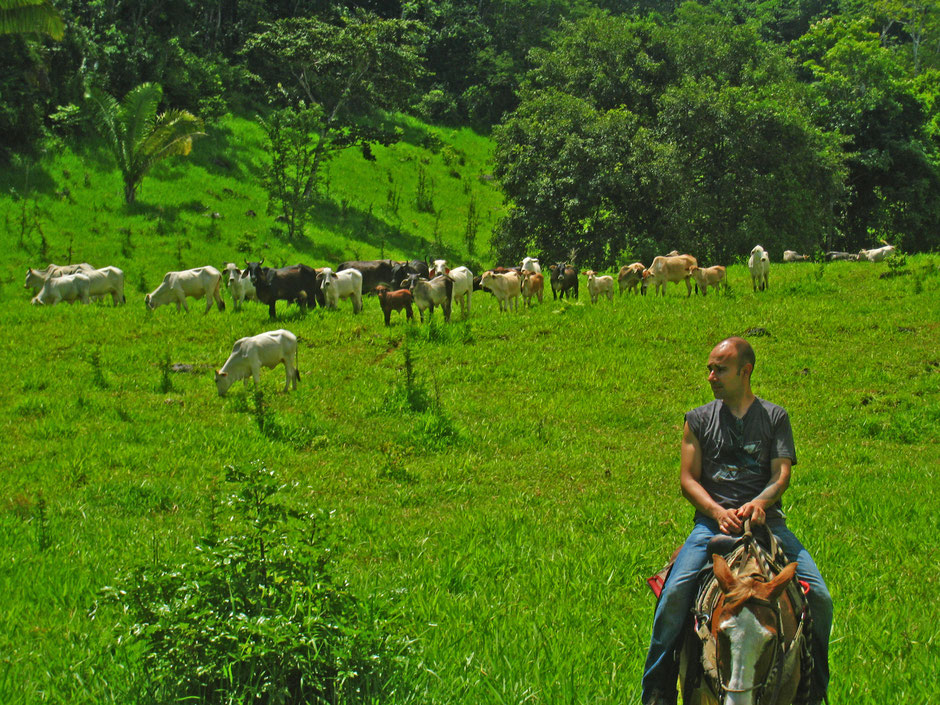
(745, 643)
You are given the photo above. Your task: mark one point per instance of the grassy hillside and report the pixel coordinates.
(511, 514)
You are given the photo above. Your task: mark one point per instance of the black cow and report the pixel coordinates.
(374, 272)
(295, 284)
(564, 280)
(402, 270)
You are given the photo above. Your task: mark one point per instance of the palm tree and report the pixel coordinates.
(138, 137)
(30, 17)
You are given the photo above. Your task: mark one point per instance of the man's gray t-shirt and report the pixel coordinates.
(736, 453)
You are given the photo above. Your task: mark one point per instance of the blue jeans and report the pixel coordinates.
(662, 668)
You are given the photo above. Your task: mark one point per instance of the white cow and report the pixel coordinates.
(68, 287)
(600, 285)
(107, 280)
(876, 255)
(428, 294)
(507, 287)
(239, 284)
(794, 256)
(35, 278)
(759, 266)
(531, 264)
(250, 354)
(463, 288)
(438, 268)
(341, 285)
(176, 286)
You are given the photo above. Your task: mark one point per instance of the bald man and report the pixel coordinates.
(735, 463)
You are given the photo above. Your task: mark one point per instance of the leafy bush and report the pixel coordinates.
(256, 614)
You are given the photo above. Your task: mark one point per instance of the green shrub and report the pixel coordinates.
(256, 614)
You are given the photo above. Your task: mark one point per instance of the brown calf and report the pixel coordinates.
(394, 301)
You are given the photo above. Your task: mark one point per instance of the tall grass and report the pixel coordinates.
(509, 481)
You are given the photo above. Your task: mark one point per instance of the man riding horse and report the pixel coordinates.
(736, 456)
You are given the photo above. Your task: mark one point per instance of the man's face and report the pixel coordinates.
(724, 372)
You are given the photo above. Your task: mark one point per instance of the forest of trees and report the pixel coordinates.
(621, 127)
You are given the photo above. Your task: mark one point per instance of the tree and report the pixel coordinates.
(348, 72)
(30, 17)
(138, 137)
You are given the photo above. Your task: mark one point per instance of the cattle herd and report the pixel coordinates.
(398, 286)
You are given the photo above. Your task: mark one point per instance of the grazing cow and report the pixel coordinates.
(341, 285)
(709, 276)
(835, 255)
(35, 278)
(564, 280)
(176, 286)
(599, 285)
(400, 300)
(239, 284)
(402, 270)
(505, 286)
(793, 256)
(295, 284)
(374, 272)
(630, 276)
(531, 264)
(669, 268)
(428, 294)
(463, 288)
(107, 280)
(68, 287)
(876, 255)
(439, 267)
(250, 354)
(759, 266)
(533, 284)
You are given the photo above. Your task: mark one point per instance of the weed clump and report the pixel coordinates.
(257, 614)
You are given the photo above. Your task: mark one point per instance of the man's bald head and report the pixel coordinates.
(743, 351)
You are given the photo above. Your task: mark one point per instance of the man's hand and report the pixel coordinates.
(729, 522)
(753, 510)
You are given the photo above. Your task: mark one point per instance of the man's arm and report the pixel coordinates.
(756, 509)
(690, 478)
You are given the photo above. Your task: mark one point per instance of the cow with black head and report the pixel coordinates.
(295, 284)
(564, 280)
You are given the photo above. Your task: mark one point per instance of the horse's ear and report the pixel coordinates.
(777, 585)
(726, 580)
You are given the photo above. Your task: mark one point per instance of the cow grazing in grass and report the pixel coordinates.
(68, 288)
(876, 255)
(630, 276)
(239, 284)
(35, 278)
(531, 264)
(794, 256)
(564, 280)
(195, 283)
(709, 276)
(758, 265)
(374, 272)
(107, 280)
(599, 285)
(341, 285)
(507, 287)
(428, 294)
(295, 284)
(463, 288)
(250, 354)
(400, 300)
(669, 268)
(533, 284)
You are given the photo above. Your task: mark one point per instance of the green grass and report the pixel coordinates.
(515, 520)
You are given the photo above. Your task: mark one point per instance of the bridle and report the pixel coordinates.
(774, 666)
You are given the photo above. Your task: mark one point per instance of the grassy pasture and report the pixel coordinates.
(514, 526)
(513, 523)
